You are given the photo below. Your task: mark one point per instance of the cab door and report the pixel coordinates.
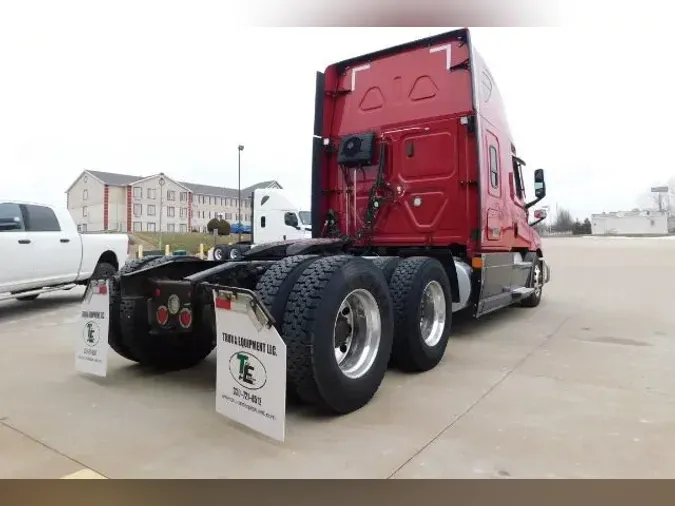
(522, 233)
(15, 249)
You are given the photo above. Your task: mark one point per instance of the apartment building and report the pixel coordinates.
(101, 201)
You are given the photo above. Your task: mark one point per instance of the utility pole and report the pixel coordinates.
(240, 149)
(161, 204)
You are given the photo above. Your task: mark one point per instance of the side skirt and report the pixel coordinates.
(504, 280)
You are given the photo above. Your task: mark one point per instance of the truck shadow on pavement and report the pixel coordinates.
(200, 380)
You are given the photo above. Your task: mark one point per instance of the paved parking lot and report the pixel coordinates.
(583, 386)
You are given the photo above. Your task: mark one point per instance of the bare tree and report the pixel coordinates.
(563, 221)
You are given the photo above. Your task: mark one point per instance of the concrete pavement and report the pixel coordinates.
(582, 386)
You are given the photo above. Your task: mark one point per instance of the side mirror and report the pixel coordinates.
(539, 188)
(539, 216)
(10, 223)
(539, 184)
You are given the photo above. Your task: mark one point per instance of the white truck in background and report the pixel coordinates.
(274, 218)
(41, 251)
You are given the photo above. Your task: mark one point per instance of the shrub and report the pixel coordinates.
(222, 226)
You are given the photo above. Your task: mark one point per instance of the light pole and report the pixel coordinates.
(240, 149)
(161, 202)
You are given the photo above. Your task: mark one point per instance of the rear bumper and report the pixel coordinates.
(547, 271)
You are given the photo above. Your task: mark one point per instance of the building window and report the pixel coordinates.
(152, 227)
(84, 212)
(85, 194)
(138, 226)
(183, 228)
(171, 212)
(152, 193)
(228, 216)
(138, 192)
(262, 222)
(183, 196)
(170, 195)
(183, 212)
(138, 209)
(170, 227)
(494, 167)
(151, 210)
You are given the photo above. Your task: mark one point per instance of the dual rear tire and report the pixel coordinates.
(344, 319)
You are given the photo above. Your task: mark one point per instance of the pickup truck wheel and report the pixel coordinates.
(338, 326)
(422, 298)
(273, 289)
(169, 352)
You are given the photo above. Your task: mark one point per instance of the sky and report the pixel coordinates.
(176, 91)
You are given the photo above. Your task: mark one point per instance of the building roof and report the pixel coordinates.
(113, 179)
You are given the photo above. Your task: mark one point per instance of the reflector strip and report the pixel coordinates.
(223, 303)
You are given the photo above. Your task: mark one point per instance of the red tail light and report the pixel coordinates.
(185, 318)
(162, 315)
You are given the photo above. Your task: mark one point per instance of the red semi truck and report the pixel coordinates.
(418, 211)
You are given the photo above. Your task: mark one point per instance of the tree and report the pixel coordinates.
(581, 228)
(588, 229)
(563, 221)
(222, 226)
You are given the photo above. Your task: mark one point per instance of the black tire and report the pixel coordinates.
(387, 265)
(274, 288)
(312, 305)
(28, 298)
(171, 352)
(410, 352)
(115, 340)
(237, 251)
(103, 270)
(221, 252)
(534, 299)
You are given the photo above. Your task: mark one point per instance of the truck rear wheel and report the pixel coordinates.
(164, 352)
(387, 265)
(114, 332)
(338, 326)
(221, 252)
(274, 288)
(420, 289)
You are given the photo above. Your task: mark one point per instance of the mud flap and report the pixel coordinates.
(91, 345)
(251, 364)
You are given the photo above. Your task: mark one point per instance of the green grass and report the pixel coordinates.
(189, 242)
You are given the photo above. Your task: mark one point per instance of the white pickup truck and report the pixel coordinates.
(42, 251)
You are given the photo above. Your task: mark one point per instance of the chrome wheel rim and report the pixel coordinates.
(218, 254)
(537, 279)
(234, 253)
(357, 332)
(432, 313)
